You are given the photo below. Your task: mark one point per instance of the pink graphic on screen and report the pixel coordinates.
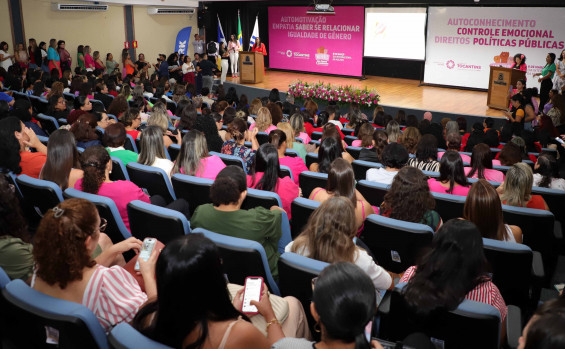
(331, 44)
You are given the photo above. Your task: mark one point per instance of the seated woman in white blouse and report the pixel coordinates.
(328, 237)
(153, 150)
(547, 173)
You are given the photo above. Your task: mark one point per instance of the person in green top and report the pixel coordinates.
(114, 140)
(80, 57)
(111, 64)
(225, 216)
(546, 77)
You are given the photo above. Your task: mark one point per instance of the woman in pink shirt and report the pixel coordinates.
(365, 136)
(264, 121)
(97, 165)
(481, 165)
(295, 163)
(88, 60)
(265, 175)
(194, 160)
(452, 178)
(297, 123)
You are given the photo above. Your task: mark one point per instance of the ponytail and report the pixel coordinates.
(93, 162)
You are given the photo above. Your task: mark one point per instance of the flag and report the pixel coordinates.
(255, 34)
(183, 37)
(221, 37)
(239, 34)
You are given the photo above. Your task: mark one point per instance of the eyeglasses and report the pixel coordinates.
(103, 224)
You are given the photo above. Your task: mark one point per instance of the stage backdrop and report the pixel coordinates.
(331, 44)
(463, 42)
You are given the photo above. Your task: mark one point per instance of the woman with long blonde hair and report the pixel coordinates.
(329, 237)
(264, 121)
(516, 190)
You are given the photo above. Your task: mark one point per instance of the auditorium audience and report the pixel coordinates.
(516, 190)
(131, 120)
(82, 105)
(452, 179)
(393, 131)
(207, 126)
(484, 209)
(194, 159)
(84, 130)
(329, 237)
(409, 199)
(263, 122)
(329, 151)
(341, 182)
(364, 136)
(161, 120)
(63, 246)
(152, 151)
(15, 141)
(453, 142)
(265, 174)
(225, 216)
(409, 139)
(62, 165)
(426, 154)
(22, 110)
(393, 158)
(58, 107)
(279, 138)
(291, 143)
(456, 269)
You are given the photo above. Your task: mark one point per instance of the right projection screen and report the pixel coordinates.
(463, 42)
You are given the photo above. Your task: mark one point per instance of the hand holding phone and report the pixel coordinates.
(558, 139)
(146, 249)
(252, 291)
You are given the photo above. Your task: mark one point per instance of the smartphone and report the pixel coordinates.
(252, 291)
(146, 249)
(559, 140)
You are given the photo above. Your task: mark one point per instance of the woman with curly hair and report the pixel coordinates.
(328, 237)
(84, 130)
(236, 146)
(255, 106)
(409, 139)
(63, 245)
(264, 121)
(341, 182)
(118, 106)
(409, 199)
(426, 154)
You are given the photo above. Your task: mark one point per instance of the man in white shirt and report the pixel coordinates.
(198, 44)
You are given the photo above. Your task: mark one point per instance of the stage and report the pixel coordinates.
(399, 93)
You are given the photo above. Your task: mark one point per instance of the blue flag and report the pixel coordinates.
(183, 37)
(221, 37)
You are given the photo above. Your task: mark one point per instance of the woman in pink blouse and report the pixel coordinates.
(88, 60)
(97, 165)
(452, 179)
(63, 246)
(233, 49)
(264, 175)
(295, 163)
(194, 160)
(481, 165)
(456, 269)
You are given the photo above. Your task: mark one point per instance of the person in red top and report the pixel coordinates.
(259, 47)
(15, 139)
(516, 190)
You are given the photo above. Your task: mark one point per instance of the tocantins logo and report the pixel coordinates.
(450, 64)
(289, 53)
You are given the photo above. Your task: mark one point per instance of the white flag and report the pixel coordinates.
(221, 37)
(255, 34)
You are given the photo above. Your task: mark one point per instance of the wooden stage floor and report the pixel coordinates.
(394, 92)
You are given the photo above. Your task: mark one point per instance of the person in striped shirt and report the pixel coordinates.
(455, 270)
(64, 242)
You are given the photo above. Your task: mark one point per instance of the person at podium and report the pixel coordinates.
(259, 47)
(519, 62)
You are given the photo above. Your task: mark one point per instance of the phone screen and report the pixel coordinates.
(252, 292)
(146, 249)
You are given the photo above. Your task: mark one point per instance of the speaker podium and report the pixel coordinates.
(251, 67)
(500, 81)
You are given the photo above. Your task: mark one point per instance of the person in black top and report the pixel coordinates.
(206, 69)
(102, 95)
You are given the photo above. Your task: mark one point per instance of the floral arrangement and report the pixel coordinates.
(343, 95)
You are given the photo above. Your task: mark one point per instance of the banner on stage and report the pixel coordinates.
(331, 44)
(463, 42)
(183, 37)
